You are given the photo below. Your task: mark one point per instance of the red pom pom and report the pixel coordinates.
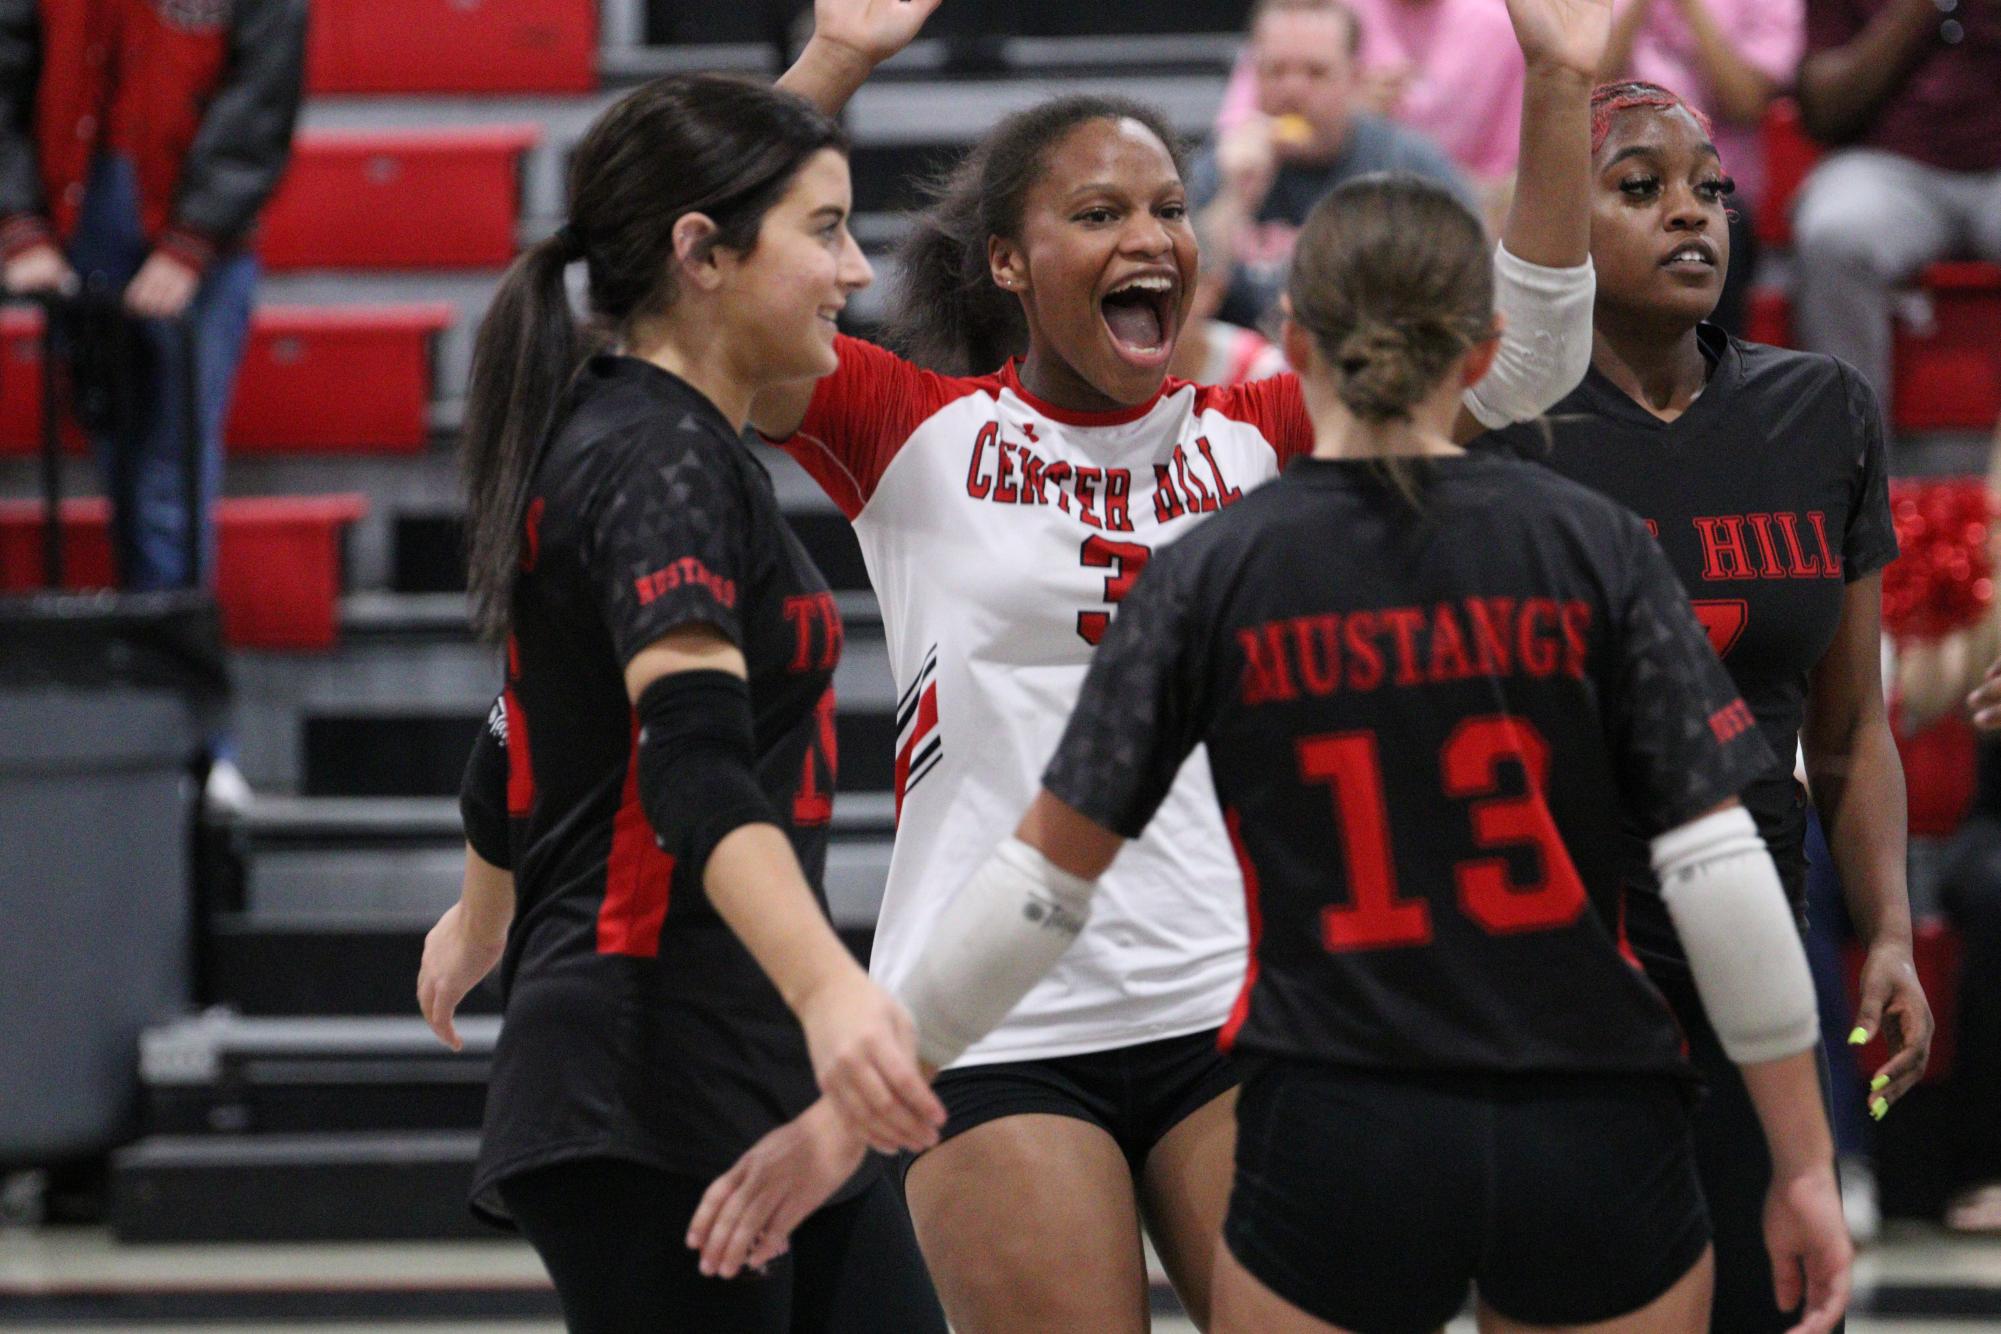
(1944, 580)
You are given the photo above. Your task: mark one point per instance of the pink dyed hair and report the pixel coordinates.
(1609, 99)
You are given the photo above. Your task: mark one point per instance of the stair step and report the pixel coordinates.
(321, 965)
(422, 46)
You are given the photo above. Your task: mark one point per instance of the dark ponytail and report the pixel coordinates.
(700, 143)
(946, 313)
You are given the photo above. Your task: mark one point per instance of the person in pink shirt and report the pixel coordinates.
(1730, 58)
(1445, 67)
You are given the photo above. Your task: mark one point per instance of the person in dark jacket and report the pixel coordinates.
(138, 141)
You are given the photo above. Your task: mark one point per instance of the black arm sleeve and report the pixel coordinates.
(483, 792)
(1145, 704)
(20, 76)
(1683, 739)
(667, 536)
(245, 139)
(1870, 543)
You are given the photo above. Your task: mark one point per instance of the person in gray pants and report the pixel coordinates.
(1911, 91)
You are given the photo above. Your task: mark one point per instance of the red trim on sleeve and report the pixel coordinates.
(864, 413)
(520, 768)
(1275, 406)
(1242, 1009)
(637, 875)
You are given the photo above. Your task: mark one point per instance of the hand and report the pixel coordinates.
(1247, 161)
(1564, 35)
(747, 1215)
(872, 30)
(1807, 1238)
(458, 952)
(1985, 701)
(1894, 1003)
(162, 289)
(864, 1050)
(39, 268)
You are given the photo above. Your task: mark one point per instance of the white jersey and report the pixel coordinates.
(1000, 533)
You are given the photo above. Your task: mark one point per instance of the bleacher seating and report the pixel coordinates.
(452, 46)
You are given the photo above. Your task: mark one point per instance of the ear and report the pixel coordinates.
(1295, 342)
(695, 251)
(1008, 265)
(1480, 358)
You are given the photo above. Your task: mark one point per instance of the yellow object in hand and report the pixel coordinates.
(1292, 129)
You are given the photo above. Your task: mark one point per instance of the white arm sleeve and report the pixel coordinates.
(1545, 340)
(1723, 893)
(1005, 928)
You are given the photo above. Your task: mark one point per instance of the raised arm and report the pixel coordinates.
(850, 38)
(1841, 86)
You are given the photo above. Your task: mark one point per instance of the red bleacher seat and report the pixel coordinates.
(278, 561)
(452, 46)
(1768, 316)
(314, 379)
(1949, 374)
(1789, 156)
(431, 199)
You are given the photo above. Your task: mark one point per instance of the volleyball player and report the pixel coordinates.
(1003, 514)
(1762, 474)
(653, 902)
(1435, 688)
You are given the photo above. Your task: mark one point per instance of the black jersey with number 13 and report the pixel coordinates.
(1426, 732)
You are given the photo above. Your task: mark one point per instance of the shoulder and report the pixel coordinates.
(1273, 407)
(1781, 385)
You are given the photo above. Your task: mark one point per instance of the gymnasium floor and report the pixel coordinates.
(1915, 1281)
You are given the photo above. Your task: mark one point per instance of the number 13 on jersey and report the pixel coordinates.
(1125, 560)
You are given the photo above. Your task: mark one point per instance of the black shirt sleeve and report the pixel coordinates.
(1871, 540)
(483, 792)
(1682, 738)
(1145, 704)
(668, 533)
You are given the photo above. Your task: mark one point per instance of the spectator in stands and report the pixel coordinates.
(138, 141)
(1730, 58)
(1255, 185)
(1909, 89)
(1445, 68)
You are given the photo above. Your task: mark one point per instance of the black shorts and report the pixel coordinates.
(1137, 1094)
(1375, 1200)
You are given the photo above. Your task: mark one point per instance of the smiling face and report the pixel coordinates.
(1104, 265)
(781, 299)
(1660, 237)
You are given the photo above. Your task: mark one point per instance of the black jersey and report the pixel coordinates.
(1425, 734)
(636, 1024)
(1769, 495)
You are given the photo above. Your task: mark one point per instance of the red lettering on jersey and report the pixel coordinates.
(1318, 638)
(1005, 491)
(1802, 565)
(1225, 493)
(1576, 637)
(1769, 564)
(1448, 647)
(1028, 429)
(1365, 660)
(1087, 480)
(1731, 721)
(1199, 499)
(1723, 547)
(687, 570)
(1031, 478)
(1404, 623)
(812, 804)
(1653, 528)
(531, 535)
(1536, 636)
(1493, 635)
(806, 611)
(1118, 491)
(1267, 676)
(1058, 474)
(978, 484)
(520, 766)
(1166, 501)
(1830, 567)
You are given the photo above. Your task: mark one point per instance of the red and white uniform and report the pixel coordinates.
(1000, 533)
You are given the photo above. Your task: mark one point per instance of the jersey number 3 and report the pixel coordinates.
(1469, 768)
(1125, 560)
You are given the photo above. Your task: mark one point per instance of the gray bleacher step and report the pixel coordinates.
(622, 67)
(1040, 57)
(959, 112)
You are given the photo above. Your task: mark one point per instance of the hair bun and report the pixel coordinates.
(1379, 375)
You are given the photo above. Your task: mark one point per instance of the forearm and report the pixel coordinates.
(1786, 1094)
(1625, 32)
(753, 880)
(1841, 87)
(486, 895)
(1549, 222)
(1933, 678)
(1857, 783)
(1219, 227)
(1741, 89)
(827, 74)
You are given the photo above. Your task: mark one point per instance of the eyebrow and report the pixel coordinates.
(1648, 150)
(833, 212)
